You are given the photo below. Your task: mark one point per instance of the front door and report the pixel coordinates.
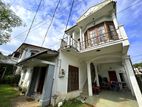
(41, 79)
(112, 76)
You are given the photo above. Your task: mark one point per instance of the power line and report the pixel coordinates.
(69, 17)
(33, 20)
(67, 25)
(50, 22)
(129, 6)
(37, 25)
(136, 55)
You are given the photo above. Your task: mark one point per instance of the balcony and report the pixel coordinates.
(102, 39)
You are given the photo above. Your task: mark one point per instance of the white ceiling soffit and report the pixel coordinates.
(94, 9)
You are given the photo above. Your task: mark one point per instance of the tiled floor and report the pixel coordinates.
(112, 99)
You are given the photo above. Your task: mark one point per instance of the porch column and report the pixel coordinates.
(97, 78)
(89, 79)
(133, 80)
(22, 76)
(27, 78)
(47, 88)
(68, 37)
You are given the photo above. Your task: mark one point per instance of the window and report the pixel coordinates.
(17, 54)
(92, 33)
(92, 36)
(112, 31)
(122, 77)
(33, 52)
(73, 78)
(101, 33)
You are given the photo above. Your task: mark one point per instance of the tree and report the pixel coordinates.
(138, 65)
(8, 20)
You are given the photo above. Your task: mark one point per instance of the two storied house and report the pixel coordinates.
(24, 51)
(95, 50)
(92, 57)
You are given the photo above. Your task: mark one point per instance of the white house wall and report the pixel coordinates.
(65, 60)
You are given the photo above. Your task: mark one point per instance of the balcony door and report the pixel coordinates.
(99, 34)
(90, 37)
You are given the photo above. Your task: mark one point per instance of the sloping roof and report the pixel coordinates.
(47, 52)
(26, 44)
(93, 9)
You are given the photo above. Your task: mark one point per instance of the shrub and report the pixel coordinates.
(11, 79)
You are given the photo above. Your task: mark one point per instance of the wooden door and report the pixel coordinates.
(112, 76)
(73, 78)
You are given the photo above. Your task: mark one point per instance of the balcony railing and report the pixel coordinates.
(70, 42)
(91, 42)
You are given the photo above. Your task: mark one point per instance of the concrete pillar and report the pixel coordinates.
(22, 76)
(89, 79)
(133, 81)
(47, 88)
(27, 78)
(23, 55)
(19, 69)
(81, 39)
(73, 38)
(69, 40)
(128, 79)
(97, 77)
(115, 21)
(116, 25)
(80, 34)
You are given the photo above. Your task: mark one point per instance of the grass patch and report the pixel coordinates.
(72, 103)
(7, 92)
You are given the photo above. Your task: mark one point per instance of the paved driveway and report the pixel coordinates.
(23, 101)
(113, 99)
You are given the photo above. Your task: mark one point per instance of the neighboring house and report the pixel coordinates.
(138, 71)
(94, 49)
(25, 51)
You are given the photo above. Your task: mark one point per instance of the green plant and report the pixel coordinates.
(11, 79)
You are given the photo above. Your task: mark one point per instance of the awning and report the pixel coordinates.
(40, 59)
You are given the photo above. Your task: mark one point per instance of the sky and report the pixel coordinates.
(131, 18)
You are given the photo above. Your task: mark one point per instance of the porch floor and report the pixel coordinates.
(112, 99)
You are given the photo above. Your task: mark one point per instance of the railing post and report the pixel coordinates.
(73, 36)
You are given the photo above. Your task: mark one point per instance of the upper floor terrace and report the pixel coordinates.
(102, 35)
(96, 28)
